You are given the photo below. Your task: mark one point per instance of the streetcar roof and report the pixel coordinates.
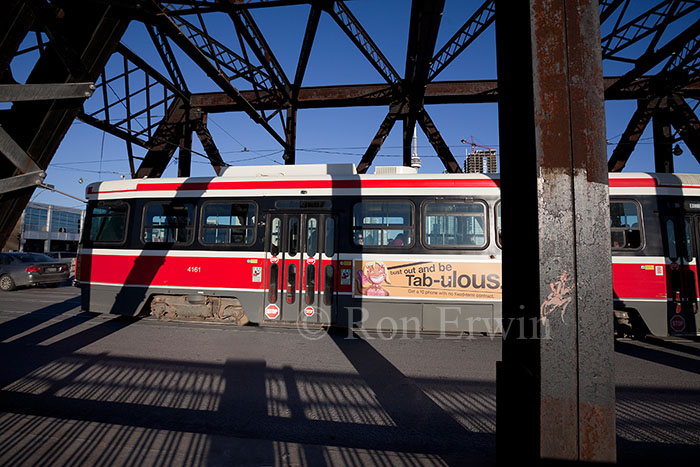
(343, 179)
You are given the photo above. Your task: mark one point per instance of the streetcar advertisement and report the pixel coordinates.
(428, 279)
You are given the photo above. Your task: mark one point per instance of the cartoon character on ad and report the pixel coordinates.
(370, 279)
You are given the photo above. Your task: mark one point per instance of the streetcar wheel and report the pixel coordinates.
(7, 284)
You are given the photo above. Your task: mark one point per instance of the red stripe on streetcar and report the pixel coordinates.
(310, 184)
(634, 281)
(171, 271)
(644, 183)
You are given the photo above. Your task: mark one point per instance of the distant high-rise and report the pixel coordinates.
(481, 161)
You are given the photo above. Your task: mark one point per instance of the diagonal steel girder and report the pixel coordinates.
(245, 25)
(441, 148)
(309, 35)
(92, 31)
(608, 7)
(650, 60)
(226, 61)
(208, 144)
(422, 36)
(646, 24)
(203, 61)
(635, 128)
(351, 26)
(475, 25)
(165, 141)
(395, 111)
(160, 41)
(15, 22)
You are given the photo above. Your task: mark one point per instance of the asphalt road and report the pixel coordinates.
(87, 389)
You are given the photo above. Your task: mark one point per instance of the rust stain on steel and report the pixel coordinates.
(568, 88)
(586, 92)
(552, 118)
(597, 433)
(558, 431)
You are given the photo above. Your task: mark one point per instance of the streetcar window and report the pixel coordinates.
(293, 245)
(625, 230)
(107, 220)
(168, 222)
(671, 237)
(498, 224)
(453, 223)
(228, 223)
(328, 284)
(383, 223)
(310, 284)
(329, 243)
(311, 236)
(687, 242)
(275, 236)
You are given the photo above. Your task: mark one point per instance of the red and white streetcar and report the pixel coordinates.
(321, 244)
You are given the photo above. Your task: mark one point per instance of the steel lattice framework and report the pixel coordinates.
(157, 111)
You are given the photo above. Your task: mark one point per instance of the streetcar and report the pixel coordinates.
(321, 245)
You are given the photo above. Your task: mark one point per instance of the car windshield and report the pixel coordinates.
(34, 258)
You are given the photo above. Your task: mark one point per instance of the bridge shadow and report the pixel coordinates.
(59, 404)
(62, 403)
(657, 354)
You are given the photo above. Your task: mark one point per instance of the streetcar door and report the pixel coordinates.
(282, 261)
(319, 269)
(682, 237)
(301, 262)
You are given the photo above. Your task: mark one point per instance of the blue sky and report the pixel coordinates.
(325, 135)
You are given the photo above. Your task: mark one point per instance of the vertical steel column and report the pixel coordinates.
(663, 140)
(555, 382)
(290, 135)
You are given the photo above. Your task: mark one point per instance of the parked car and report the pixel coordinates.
(21, 269)
(66, 257)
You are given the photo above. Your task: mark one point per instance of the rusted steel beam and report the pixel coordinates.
(165, 141)
(16, 154)
(290, 131)
(422, 36)
(355, 96)
(92, 31)
(42, 92)
(206, 61)
(160, 41)
(152, 72)
(395, 111)
(184, 160)
(16, 20)
(208, 144)
(441, 92)
(305, 53)
(435, 138)
(628, 140)
(555, 383)
(245, 25)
